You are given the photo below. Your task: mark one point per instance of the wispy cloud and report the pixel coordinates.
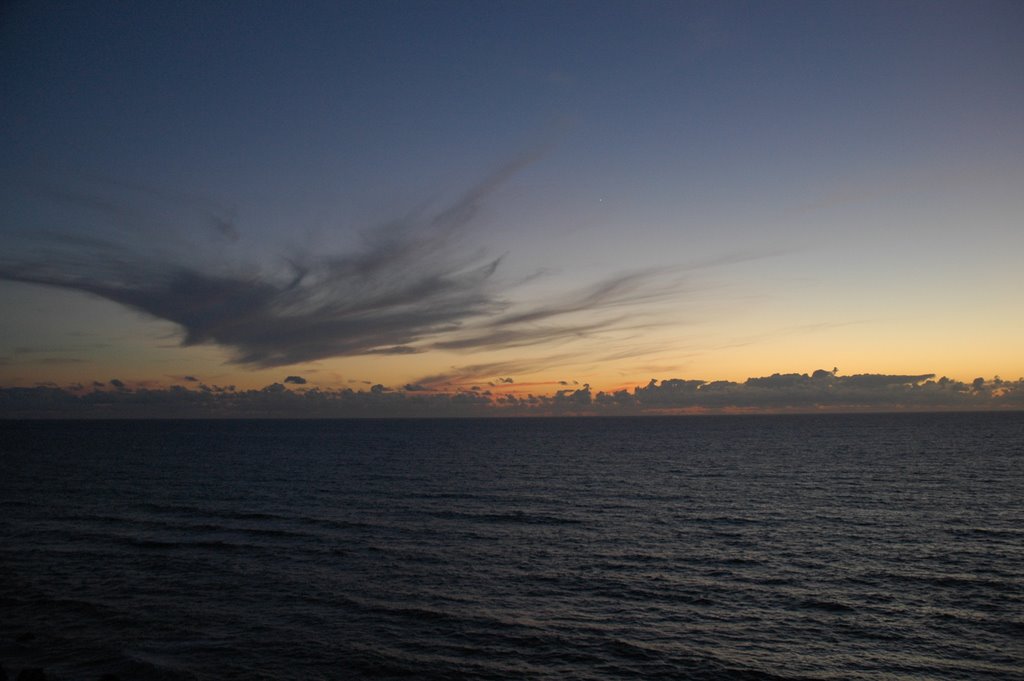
(494, 372)
(411, 286)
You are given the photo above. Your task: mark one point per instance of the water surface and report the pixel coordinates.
(782, 547)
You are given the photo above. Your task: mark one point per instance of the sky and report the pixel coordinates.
(408, 208)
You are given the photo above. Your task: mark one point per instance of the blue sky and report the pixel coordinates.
(780, 187)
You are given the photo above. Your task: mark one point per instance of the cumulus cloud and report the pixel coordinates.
(779, 392)
(822, 389)
(297, 380)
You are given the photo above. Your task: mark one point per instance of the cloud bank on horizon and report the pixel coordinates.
(820, 391)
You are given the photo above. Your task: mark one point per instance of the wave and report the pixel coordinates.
(515, 517)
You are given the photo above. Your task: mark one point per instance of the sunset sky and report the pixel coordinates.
(509, 198)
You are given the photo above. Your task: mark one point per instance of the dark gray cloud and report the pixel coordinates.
(472, 373)
(410, 286)
(623, 290)
(785, 392)
(149, 209)
(492, 338)
(396, 350)
(822, 389)
(297, 380)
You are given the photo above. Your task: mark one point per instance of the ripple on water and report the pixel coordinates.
(788, 548)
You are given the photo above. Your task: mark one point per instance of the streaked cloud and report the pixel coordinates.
(408, 287)
(493, 371)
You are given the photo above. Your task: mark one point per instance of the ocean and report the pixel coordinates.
(733, 547)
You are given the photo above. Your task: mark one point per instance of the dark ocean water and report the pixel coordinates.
(787, 547)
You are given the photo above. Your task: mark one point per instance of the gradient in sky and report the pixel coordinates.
(433, 197)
